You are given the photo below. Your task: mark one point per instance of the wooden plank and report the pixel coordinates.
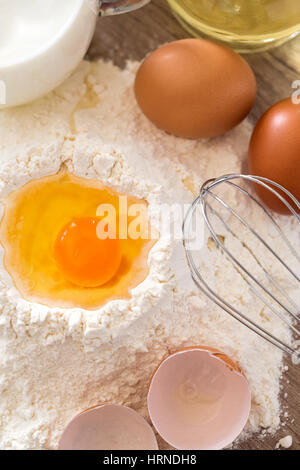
(133, 36)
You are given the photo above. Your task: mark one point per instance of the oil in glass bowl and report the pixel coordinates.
(245, 25)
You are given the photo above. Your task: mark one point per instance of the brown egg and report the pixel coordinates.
(274, 151)
(195, 88)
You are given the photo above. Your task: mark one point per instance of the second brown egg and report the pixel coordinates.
(274, 153)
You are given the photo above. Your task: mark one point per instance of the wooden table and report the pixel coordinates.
(134, 35)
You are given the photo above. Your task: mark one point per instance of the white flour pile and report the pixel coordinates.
(55, 362)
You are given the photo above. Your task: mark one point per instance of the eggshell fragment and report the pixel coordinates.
(108, 427)
(274, 152)
(199, 399)
(195, 88)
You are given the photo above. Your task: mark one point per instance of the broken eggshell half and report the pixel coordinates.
(199, 399)
(108, 427)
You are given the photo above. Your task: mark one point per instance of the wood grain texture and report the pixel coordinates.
(133, 36)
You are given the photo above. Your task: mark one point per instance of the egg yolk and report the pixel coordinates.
(83, 258)
(51, 249)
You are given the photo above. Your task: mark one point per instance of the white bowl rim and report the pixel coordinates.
(44, 48)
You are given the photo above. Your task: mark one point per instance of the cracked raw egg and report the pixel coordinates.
(199, 399)
(54, 251)
(85, 259)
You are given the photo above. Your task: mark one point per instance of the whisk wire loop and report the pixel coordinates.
(256, 287)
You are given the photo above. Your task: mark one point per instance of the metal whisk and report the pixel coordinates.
(269, 291)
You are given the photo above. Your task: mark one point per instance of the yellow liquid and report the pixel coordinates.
(246, 25)
(33, 216)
